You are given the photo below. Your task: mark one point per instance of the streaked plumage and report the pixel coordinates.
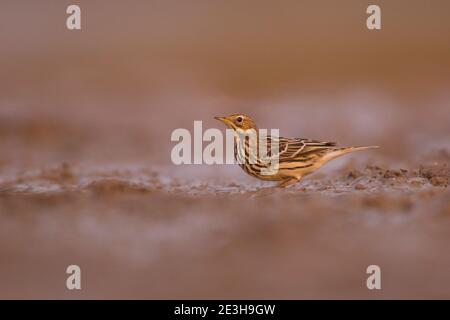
(297, 157)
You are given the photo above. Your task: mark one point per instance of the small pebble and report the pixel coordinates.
(360, 186)
(439, 181)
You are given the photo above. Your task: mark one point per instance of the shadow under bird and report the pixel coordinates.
(297, 157)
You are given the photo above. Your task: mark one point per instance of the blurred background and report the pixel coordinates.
(111, 94)
(115, 90)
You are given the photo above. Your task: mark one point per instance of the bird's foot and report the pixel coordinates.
(264, 192)
(288, 182)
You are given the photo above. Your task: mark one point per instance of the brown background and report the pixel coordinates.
(85, 171)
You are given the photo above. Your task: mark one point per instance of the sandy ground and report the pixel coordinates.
(85, 171)
(139, 233)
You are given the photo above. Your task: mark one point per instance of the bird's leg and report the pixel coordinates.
(264, 192)
(271, 190)
(288, 182)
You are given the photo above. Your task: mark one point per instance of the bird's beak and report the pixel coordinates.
(225, 120)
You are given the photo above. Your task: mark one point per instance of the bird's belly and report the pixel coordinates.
(256, 172)
(296, 169)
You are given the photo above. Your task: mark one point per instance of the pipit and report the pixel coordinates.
(294, 157)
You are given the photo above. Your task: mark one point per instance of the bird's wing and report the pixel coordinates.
(290, 149)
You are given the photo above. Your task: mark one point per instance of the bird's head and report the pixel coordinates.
(238, 121)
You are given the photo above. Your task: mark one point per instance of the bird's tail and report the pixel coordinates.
(351, 149)
(341, 151)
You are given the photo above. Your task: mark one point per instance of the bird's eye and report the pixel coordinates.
(239, 119)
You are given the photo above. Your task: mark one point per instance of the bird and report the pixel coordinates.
(296, 157)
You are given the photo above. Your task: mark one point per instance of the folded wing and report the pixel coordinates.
(298, 148)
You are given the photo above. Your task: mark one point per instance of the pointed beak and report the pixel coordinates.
(223, 119)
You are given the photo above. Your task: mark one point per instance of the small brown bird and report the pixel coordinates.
(296, 157)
